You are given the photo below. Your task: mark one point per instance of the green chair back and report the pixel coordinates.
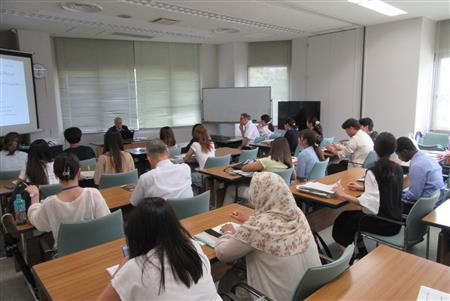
(217, 161)
(259, 139)
(326, 141)
(431, 147)
(74, 237)
(319, 170)
(190, 206)
(175, 151)
(316, 277)
(275, 135)
(48, 190)
(298, 149)
(9, 174)
(431, 138)
(248, 154)
(117, 179)
(91, 163)
(285, 174)
(370, 159)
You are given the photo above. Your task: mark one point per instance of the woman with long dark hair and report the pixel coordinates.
(188, 147)
(164, 262)
(39, 168)
(291, 134)
(167, 136)
(313, 123)
(202, 148)
(114, 158)
(310, 154)
(382, 195)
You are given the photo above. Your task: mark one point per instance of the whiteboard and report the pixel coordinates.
(227, 104)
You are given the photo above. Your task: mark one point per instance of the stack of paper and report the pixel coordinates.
(317, 189)
(243, 173)
(428, 294)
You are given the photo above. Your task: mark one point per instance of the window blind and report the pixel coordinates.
(96, 79)
(274, 54)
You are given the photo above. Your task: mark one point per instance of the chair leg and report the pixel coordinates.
(428, 243)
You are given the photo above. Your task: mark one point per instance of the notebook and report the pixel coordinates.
(317, 189)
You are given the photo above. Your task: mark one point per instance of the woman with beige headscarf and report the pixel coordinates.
(277, 242)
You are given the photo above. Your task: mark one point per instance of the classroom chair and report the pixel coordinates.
(190, 206)
(431, 147)
(88, 164)
(319, 170)
(9, 174)
(217, 161)
(370, 159)
(74, 237)
(117, 179)
(276, 135)
(298, 149)
(175, 151)
(413, 229)
(285, 174)
(259, 139)
(48, 190)
(437, 140)
(326, 141)
(248, 154)
(313, 279)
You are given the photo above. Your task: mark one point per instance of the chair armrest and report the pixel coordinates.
(251, 290)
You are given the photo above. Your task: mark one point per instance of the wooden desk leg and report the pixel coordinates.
(215, 192)
(443, 252)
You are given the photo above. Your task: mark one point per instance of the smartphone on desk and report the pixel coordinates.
(213, 233)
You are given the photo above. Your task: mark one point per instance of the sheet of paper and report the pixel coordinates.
(243, 173)
(217, 228)
(429, 294)
(317, 186)
(112, 270)
(89, 174)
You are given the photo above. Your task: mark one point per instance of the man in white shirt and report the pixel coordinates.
(166, 179)
(249, 130)
(357, 148)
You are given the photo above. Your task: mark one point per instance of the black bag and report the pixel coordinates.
(20, 189)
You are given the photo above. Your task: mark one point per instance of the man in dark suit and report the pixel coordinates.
(123, 129)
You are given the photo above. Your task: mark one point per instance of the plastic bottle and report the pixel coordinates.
(20, 210)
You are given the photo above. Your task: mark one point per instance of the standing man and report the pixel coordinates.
(121, 128)
(249, 131)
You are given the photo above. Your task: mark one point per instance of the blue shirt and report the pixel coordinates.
(425, 177)
(306, 160)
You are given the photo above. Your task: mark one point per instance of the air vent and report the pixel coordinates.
(130, 35)
(165, 21)
(225, 30)
(123, 16)
(81, 7)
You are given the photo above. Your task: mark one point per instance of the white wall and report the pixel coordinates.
(298, 70)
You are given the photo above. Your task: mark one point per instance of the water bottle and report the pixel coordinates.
(20, 210)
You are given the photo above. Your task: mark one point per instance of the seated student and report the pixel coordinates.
(265, 127)
(291, 134)
(166, 179)
(10, 157)
(121, 128)
(164, 262)
(248, 129)
(202, 148)
(114, 158)
(167, 136)
(425, 174)
(313, 123)
(382, 188)
(279, 158)
(277, 242)
(39, 167)
(367, 126)
(73, 136)
(188, 146)
(356, 150)
(310, 154)
(72, 204)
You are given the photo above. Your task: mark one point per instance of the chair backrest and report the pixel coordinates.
(175, 151)
(48, 190)
(276, 135)
(117, 179)
(316, 277)
(370, 159)
(191, 206)
(415, 228)
(431, 147)
(248, 154)
(217, 161)
(431, 138)
(298, 149)
(319, 169)
(284, 173)
(326, 141)
(91, 163)
(74, 237)
(9, 174)
(259, 139)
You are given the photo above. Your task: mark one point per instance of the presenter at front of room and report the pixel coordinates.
(121, 128)
(249, 131)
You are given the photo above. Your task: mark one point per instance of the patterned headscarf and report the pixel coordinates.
(278, 227)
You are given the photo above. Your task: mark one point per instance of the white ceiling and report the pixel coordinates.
(256, 20)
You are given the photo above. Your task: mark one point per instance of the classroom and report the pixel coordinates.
(224, 150)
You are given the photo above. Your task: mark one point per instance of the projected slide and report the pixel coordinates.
(13, 93)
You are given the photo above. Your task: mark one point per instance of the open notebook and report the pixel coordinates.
(317, 189)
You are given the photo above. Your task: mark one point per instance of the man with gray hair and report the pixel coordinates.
(121, 128)
(166, 179)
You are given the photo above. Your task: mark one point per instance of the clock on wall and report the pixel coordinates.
(40, 71)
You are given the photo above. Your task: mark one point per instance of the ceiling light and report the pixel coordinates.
(380, 7)
(225, 30)
(123, 16)
(81, 7)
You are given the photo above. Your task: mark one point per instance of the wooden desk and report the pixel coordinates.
(386, 274)
(134, 144)
(3, 189)
(226, 141)
(262, 145)
(440, 218)
(82, 275)
(219, 173)
(223, 151)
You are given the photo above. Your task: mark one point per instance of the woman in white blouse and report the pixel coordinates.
(72, 204)
(265, 127)
(164, 262)
(382, 188)
(39, 167)
(202, 148)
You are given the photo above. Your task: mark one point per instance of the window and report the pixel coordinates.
(148, 84)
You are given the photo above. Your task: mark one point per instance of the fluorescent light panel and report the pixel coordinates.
(380, 7)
